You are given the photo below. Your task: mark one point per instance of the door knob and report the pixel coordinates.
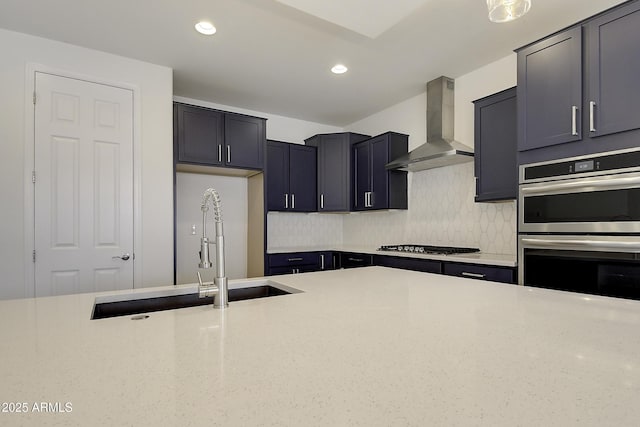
(124, 257)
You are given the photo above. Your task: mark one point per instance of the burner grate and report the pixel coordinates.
(427, 249)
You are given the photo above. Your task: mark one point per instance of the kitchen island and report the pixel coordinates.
(369, 346)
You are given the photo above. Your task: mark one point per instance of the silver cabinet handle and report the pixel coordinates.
(355, 259)
(294, 259)
(219, 153)
(293, 201)
(228, 154)
(322, 201)
(574, 120)
(321, 261)
(286, 201)
(366, 199)
(592, 124)
(474, 275)
(124, 257)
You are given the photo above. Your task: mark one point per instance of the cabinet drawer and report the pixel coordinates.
(352, 260)
(292, 270)
(424, 265)
(293, 259)
(481, 272)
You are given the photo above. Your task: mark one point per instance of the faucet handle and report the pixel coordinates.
(200, 279)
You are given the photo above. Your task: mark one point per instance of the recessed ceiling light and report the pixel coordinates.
(339, 69)
(206, 28)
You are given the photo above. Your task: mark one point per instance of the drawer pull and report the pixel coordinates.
(356, 259)
(294, 259)
(474, 275)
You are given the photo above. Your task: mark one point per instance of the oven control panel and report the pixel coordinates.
(603, 162)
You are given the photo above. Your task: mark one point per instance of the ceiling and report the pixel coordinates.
(272, 56)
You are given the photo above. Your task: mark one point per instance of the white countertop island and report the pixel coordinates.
(370, 347)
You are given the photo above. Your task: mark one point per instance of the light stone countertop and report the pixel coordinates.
(370, 346)
(482, 258)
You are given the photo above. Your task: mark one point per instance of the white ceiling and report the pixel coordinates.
(272, 57)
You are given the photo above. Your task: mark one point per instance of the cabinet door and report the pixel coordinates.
(550, 91)
(302, 178)
(277, 176)
(199, 135)
(495, 137)
(362, 175)
(379, 175)
(326, 260)
(613, 102)
(333, 173)
(244, 138)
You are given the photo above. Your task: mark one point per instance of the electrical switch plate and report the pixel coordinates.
(193, 229)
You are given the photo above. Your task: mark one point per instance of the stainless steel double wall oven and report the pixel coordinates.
(579, 224)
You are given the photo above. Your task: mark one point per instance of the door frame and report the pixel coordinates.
(29, 163)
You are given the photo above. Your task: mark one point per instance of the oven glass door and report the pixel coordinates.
(599, 265)
(604, 204)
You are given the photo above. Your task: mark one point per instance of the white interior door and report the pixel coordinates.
(83, 186)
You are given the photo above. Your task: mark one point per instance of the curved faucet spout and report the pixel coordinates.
(218, 288)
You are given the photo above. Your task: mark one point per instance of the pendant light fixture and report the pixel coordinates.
(507, 10)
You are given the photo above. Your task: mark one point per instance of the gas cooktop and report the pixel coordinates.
(426, 249)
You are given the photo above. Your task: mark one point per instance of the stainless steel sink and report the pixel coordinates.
(138, 303)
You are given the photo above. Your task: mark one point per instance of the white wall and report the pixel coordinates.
(155, 250)
(233, 194)
(441, 207)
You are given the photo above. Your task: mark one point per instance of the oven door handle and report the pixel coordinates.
(602, 245)
(584, 185)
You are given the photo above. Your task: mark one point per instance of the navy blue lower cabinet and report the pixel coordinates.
(353, 260)
(326, 260)
(481, 272)
(299, 262)
(415, 264)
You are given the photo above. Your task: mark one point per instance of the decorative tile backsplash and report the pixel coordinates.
(287, 230)
(441, 211)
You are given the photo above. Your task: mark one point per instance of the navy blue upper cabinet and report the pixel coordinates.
(556, 118)
(216, 138)
(199, 135)
(334, 169)
(375, 187)
(550, 91)
(613, 42)
(244, 139)
(495, 136)
(291, 177)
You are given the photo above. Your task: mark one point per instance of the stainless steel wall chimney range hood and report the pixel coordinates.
(440, 149)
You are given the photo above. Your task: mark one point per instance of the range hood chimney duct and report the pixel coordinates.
(440, 149)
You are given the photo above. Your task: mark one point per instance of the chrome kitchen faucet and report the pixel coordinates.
(218, 289)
